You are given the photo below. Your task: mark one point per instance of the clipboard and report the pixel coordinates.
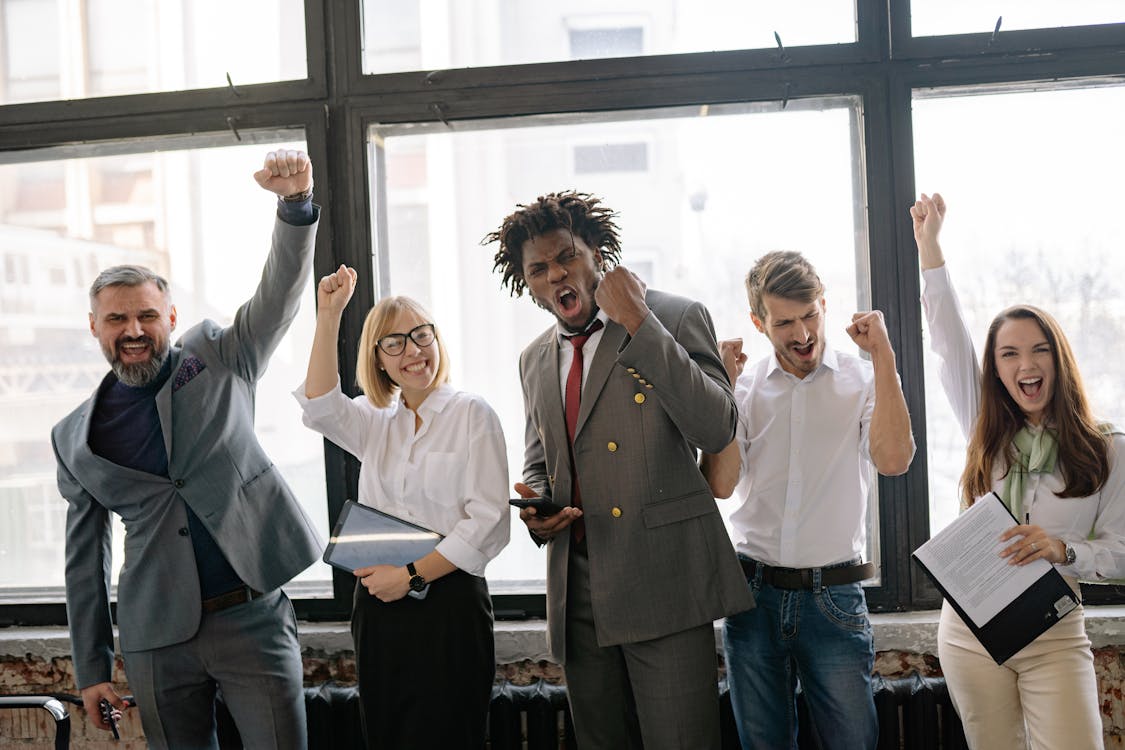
(1025, 618)
(364, 536)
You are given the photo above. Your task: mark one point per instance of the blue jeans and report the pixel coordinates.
(820, 637)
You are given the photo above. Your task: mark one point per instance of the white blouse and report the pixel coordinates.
(1094, 526)
(450, 476)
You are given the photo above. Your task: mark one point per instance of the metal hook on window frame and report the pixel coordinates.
(231, 124)
(231, 86)
(995, 31)
(785, 96)
(439, 109)
(782, 55)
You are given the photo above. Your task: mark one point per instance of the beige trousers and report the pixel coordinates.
(1046, 694)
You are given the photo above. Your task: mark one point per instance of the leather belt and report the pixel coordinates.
(230, 599)
(802, 578)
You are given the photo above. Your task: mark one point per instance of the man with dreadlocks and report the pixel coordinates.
(619, 395)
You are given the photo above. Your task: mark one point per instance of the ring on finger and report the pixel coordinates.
(1034, 546)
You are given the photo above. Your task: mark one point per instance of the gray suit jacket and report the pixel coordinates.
(215, 464)
(660, 557)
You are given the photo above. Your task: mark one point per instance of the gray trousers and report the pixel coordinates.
(250, 652)
(658, 695)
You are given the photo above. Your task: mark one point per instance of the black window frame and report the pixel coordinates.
(336, 105)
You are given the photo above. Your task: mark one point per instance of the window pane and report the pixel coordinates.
(195, 216)
(1030, 179)
(716, 188)
(141, 46)
(936, 17)
(404, 35)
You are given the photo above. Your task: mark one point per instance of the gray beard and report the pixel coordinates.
(139, 374)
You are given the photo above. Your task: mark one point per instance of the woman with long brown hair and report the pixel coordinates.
(1033, 441)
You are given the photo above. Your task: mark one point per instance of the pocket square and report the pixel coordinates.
(189, 368)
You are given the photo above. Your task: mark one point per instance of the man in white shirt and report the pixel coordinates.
(812, 423)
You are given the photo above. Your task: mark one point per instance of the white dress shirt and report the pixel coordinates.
(450, 476)
(806, 462)
(1094, 525)
(566, 351)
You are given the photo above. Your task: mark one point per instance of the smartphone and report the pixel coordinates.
(543, 507)
(110, 715)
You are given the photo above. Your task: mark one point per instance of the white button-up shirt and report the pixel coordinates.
(1094, 525)
(450, 476)
(566, 351)
(806, 462)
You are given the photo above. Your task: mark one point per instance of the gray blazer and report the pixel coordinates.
(660, 557)
(215, 464)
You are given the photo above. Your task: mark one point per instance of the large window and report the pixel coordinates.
(429, 120)
(73, 49)
(404, 35)
(1029, 181)
(697, 220)
(191, 213)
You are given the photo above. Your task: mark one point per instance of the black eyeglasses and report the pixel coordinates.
(393, 344)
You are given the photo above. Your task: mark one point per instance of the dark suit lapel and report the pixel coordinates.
(164, 402)
(605, 359)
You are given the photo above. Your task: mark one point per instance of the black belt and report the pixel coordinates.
(230, 599)
(802, 578)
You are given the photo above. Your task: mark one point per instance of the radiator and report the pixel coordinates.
(914, 714)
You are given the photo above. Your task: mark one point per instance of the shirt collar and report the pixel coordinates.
(829, 360)
(434, 403)
(563, 334)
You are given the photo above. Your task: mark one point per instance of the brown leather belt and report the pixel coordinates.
(802, 578)
(230, 599)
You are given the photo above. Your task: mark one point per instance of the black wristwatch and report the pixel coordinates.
(417, 582)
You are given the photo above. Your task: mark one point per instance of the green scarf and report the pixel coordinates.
(1036, 453)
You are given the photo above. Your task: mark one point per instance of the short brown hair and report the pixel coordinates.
(579, 213)
(782, 273)
(376, 384)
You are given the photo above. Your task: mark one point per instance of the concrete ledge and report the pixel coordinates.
(912, 632)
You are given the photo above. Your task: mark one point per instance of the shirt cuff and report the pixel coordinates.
(321, 405)
(299, 214)
(463, 555)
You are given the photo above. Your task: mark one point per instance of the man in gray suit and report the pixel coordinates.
(211, 529)
(619, 395)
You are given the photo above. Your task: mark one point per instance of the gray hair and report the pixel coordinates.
(126, 275)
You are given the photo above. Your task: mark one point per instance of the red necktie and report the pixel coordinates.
(573, 401)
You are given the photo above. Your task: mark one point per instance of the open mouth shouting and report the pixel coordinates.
(1031, 387)
(567, 301)
(805, 352)
(135, 349)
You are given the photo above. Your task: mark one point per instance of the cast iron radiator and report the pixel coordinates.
(914, 714)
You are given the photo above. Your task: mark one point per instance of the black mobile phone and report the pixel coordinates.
(108, 716)
(543, 507)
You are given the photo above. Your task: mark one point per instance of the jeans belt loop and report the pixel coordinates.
(815, 583)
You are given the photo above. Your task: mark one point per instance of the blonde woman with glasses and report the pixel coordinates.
(434, 456)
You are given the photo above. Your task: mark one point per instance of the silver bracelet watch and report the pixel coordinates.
(1071, 555)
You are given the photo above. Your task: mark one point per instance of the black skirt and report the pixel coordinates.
(426, 666)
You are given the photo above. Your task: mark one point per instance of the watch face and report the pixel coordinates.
(417, 583)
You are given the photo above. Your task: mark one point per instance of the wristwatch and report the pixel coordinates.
(1071, 555)
(417, 582)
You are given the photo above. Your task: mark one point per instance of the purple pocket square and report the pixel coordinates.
(189, 368)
